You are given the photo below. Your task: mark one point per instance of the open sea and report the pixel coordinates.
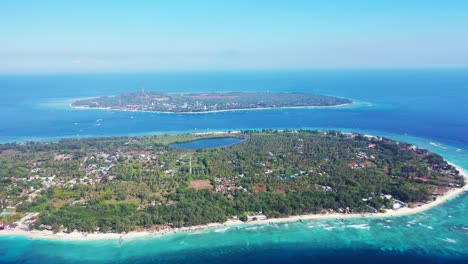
(428, 108)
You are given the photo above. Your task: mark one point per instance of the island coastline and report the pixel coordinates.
(213, 111)
(209, 102)
(79, 236)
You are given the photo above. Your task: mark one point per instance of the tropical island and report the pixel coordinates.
(122, 184)
(207, 102)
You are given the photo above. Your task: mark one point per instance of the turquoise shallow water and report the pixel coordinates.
(424, 107)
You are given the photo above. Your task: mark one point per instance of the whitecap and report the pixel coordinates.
(222, 230)
(359, 226)
(317, 225)
(426, 226)
(449, 240)
(437, 145)
(196, 233)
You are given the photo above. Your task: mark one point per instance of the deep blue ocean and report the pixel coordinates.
(428, 108)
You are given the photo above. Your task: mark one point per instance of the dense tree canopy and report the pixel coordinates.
(119, 184)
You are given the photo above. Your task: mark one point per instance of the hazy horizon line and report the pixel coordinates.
(406, 68)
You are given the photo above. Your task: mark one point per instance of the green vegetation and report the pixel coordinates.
(125, 183)
(203, 102)
(9, 219)
(244, 217)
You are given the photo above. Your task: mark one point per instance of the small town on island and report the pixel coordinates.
(123, 184)
(207, 102)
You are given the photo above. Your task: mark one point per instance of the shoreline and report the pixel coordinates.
(78, 236)
(212, 111)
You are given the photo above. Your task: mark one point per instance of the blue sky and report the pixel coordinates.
(96, 36)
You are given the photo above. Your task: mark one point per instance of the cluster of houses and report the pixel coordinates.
(363, 158)
(396, 204)
(225, 184)
(95, 168)
(22, 224)
(447, 170)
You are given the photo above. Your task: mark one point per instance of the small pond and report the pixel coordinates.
(209, 143)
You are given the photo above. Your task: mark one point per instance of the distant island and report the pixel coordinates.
(207, 102)
(122, 184)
